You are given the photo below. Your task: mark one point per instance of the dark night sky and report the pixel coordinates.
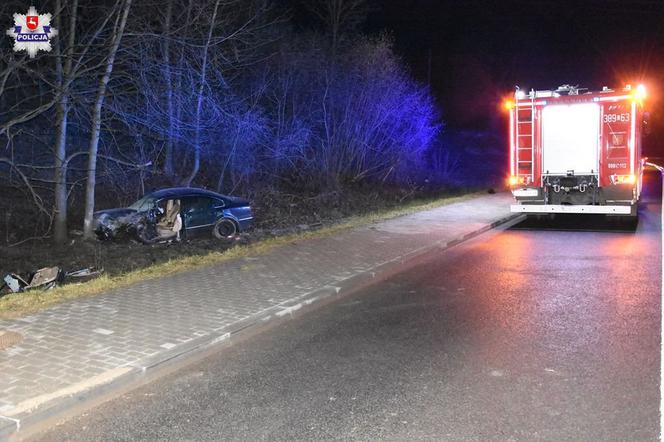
(481, 49)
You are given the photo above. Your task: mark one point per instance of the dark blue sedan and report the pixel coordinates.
(174, 213)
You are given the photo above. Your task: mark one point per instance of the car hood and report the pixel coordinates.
(114, 213)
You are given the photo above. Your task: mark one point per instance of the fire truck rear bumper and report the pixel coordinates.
(559, 208)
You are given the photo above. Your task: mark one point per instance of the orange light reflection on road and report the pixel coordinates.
(624, 293)
(508, 253)
(502, 314)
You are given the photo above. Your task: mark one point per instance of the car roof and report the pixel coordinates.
(176, 192)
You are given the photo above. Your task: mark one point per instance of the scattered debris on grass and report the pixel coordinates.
(45, 278)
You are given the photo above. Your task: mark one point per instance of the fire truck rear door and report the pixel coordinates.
(570, 139)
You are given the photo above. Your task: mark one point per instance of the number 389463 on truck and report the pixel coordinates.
(576, 151)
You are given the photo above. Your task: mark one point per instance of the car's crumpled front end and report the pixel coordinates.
(117, 223)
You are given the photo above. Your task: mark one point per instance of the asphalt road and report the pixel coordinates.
(540, 332)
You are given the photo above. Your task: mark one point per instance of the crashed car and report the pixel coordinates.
(176, 213)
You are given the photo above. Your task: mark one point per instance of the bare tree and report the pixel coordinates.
(338, 16)
(96, 119)
(213, 93)
(199, 100)
(166, 54)
(62, 82)
(34, 93)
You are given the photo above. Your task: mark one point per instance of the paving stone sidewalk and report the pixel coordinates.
(69, 344)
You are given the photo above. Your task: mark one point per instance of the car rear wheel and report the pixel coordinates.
(225, 229)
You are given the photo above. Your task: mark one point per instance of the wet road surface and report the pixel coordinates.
(540, 332)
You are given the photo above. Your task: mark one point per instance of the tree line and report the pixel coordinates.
(230, 95)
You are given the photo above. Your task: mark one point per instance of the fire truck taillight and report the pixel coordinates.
(516, 180)
(509, 105)
(623, 179)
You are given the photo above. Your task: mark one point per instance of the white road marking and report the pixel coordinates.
(661, 313)
(661, 316)
(661, 342)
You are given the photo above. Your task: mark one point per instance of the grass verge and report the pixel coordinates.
(21, 304)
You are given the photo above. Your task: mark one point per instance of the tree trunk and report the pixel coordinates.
(61, 114)
(199, 102)
(168, 156)
(60, 220)
(60, 148)
(96, 123)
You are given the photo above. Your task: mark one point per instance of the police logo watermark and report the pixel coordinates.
(32, 32)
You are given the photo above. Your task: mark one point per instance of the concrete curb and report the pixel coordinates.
(78, 398)
(7, 427)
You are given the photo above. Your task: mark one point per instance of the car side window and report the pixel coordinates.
(197, 203)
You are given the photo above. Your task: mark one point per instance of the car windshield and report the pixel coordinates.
(144, 204)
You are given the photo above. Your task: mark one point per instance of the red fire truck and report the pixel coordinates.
(576, 151)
